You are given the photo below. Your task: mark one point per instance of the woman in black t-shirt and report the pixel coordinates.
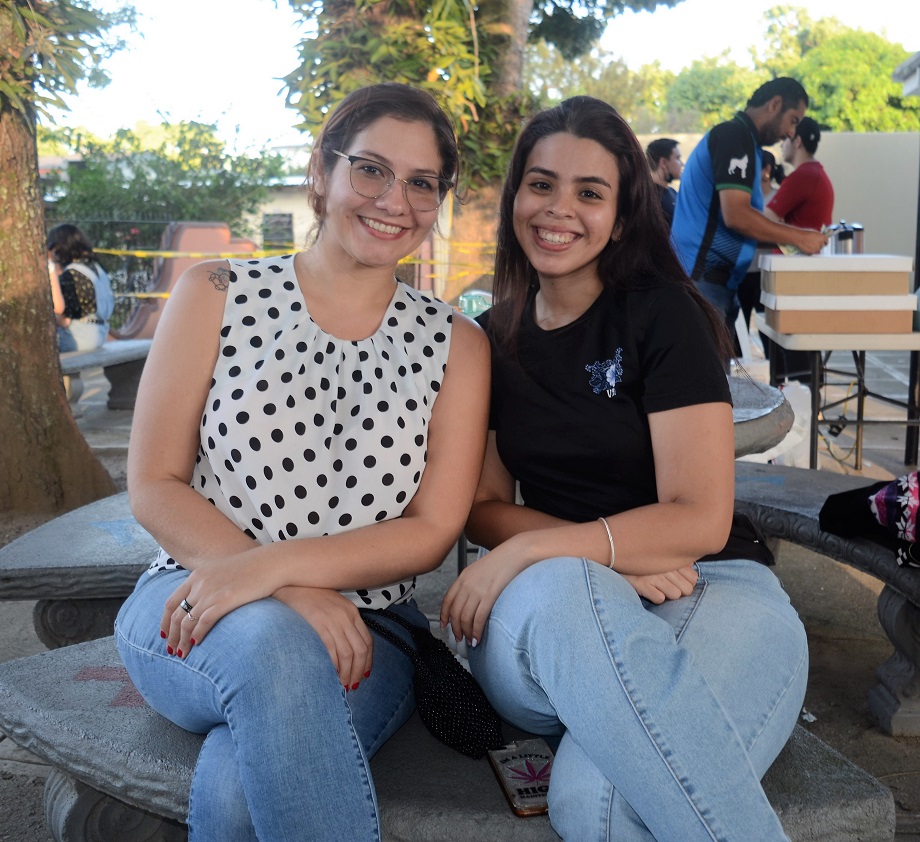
(621, 608)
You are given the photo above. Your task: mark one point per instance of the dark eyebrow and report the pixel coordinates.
(584, 179)
(382, 159)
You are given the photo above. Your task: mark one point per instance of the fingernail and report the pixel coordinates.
(367, 674)
(169, 650)
(355, 686)
(474, 643)
(163, 634)
(178, 653)
(192, 641)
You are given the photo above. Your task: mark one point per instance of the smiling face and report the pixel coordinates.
(381, 231)
(565, 209)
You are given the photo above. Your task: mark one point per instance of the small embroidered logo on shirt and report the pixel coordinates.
(605, 375)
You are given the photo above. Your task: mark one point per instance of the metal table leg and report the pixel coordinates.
(815, 359)
(912, 439)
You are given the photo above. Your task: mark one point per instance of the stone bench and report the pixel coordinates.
(124, 773)
(122, 361)
(79, 567)
(784, 503)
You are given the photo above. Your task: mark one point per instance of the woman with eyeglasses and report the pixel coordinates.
(622, 608)
(306, 441)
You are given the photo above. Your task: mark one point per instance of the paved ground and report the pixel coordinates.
(836, 603)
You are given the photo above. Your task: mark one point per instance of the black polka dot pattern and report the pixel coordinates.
(307, 435)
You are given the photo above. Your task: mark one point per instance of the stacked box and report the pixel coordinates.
(841, 293)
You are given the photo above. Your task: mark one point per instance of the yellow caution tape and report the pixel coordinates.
(198, 255)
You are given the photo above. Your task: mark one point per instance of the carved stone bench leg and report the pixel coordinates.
(73, 387)
(76, 812)
(60, 622)
(124, 378)
(895, 701)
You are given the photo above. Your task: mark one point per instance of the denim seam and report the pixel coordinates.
(617, 667)
(696, 604)
(365, 765)
(768, 714)
(803, 660)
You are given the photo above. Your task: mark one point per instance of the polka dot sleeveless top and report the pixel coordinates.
(305, 434)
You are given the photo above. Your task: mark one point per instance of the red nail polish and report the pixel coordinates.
(178, 653)
(163, 634)
(367, 674)
(354, 686)
(192, 641)
(169, 650)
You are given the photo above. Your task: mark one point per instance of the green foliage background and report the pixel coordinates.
(180, 172)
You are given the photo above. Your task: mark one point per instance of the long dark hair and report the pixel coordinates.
(366, 105)
(68, 244)
(641, 256)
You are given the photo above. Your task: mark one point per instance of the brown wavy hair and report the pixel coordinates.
(367, 105)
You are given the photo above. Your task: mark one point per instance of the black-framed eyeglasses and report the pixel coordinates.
(371, 179)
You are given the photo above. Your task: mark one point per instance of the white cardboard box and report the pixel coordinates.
(839, 274)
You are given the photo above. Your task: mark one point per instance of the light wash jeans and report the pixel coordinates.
(286, 753)
(65, 340)
(669, 714)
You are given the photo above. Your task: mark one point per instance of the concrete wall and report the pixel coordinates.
(875, 178)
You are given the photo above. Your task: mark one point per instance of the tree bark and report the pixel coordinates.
(515, 16)
(45, 463)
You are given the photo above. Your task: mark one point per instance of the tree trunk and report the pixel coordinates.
(515, 16)
(45, 463)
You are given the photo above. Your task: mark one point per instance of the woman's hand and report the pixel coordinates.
(659, 587)
(340, 626)
(469, 600)
(212, 590)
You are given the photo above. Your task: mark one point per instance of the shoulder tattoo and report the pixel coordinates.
(220, 278)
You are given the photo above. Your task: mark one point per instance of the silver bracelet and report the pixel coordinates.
(613, 554)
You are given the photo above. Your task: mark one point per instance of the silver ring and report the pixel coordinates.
(185, 606)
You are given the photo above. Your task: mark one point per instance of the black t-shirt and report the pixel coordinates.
(668, 197)
(570, 413)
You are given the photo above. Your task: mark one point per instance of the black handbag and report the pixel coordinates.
(450, 703)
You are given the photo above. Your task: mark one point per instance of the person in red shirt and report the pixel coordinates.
(806, 197)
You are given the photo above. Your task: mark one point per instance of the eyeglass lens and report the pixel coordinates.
(372, 179)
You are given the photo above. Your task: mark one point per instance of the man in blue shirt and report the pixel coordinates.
(719, 217)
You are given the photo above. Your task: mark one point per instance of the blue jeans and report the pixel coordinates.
(725, 300)
(669, 714)
(65, 340)
(286, 753)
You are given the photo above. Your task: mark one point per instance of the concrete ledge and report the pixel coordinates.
(114, 352)
(76, 709)
(123, 363)
(785, 503)
(96, 551)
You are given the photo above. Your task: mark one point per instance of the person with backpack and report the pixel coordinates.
(80, 290)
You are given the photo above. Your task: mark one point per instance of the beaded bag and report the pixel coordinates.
(450, 703)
